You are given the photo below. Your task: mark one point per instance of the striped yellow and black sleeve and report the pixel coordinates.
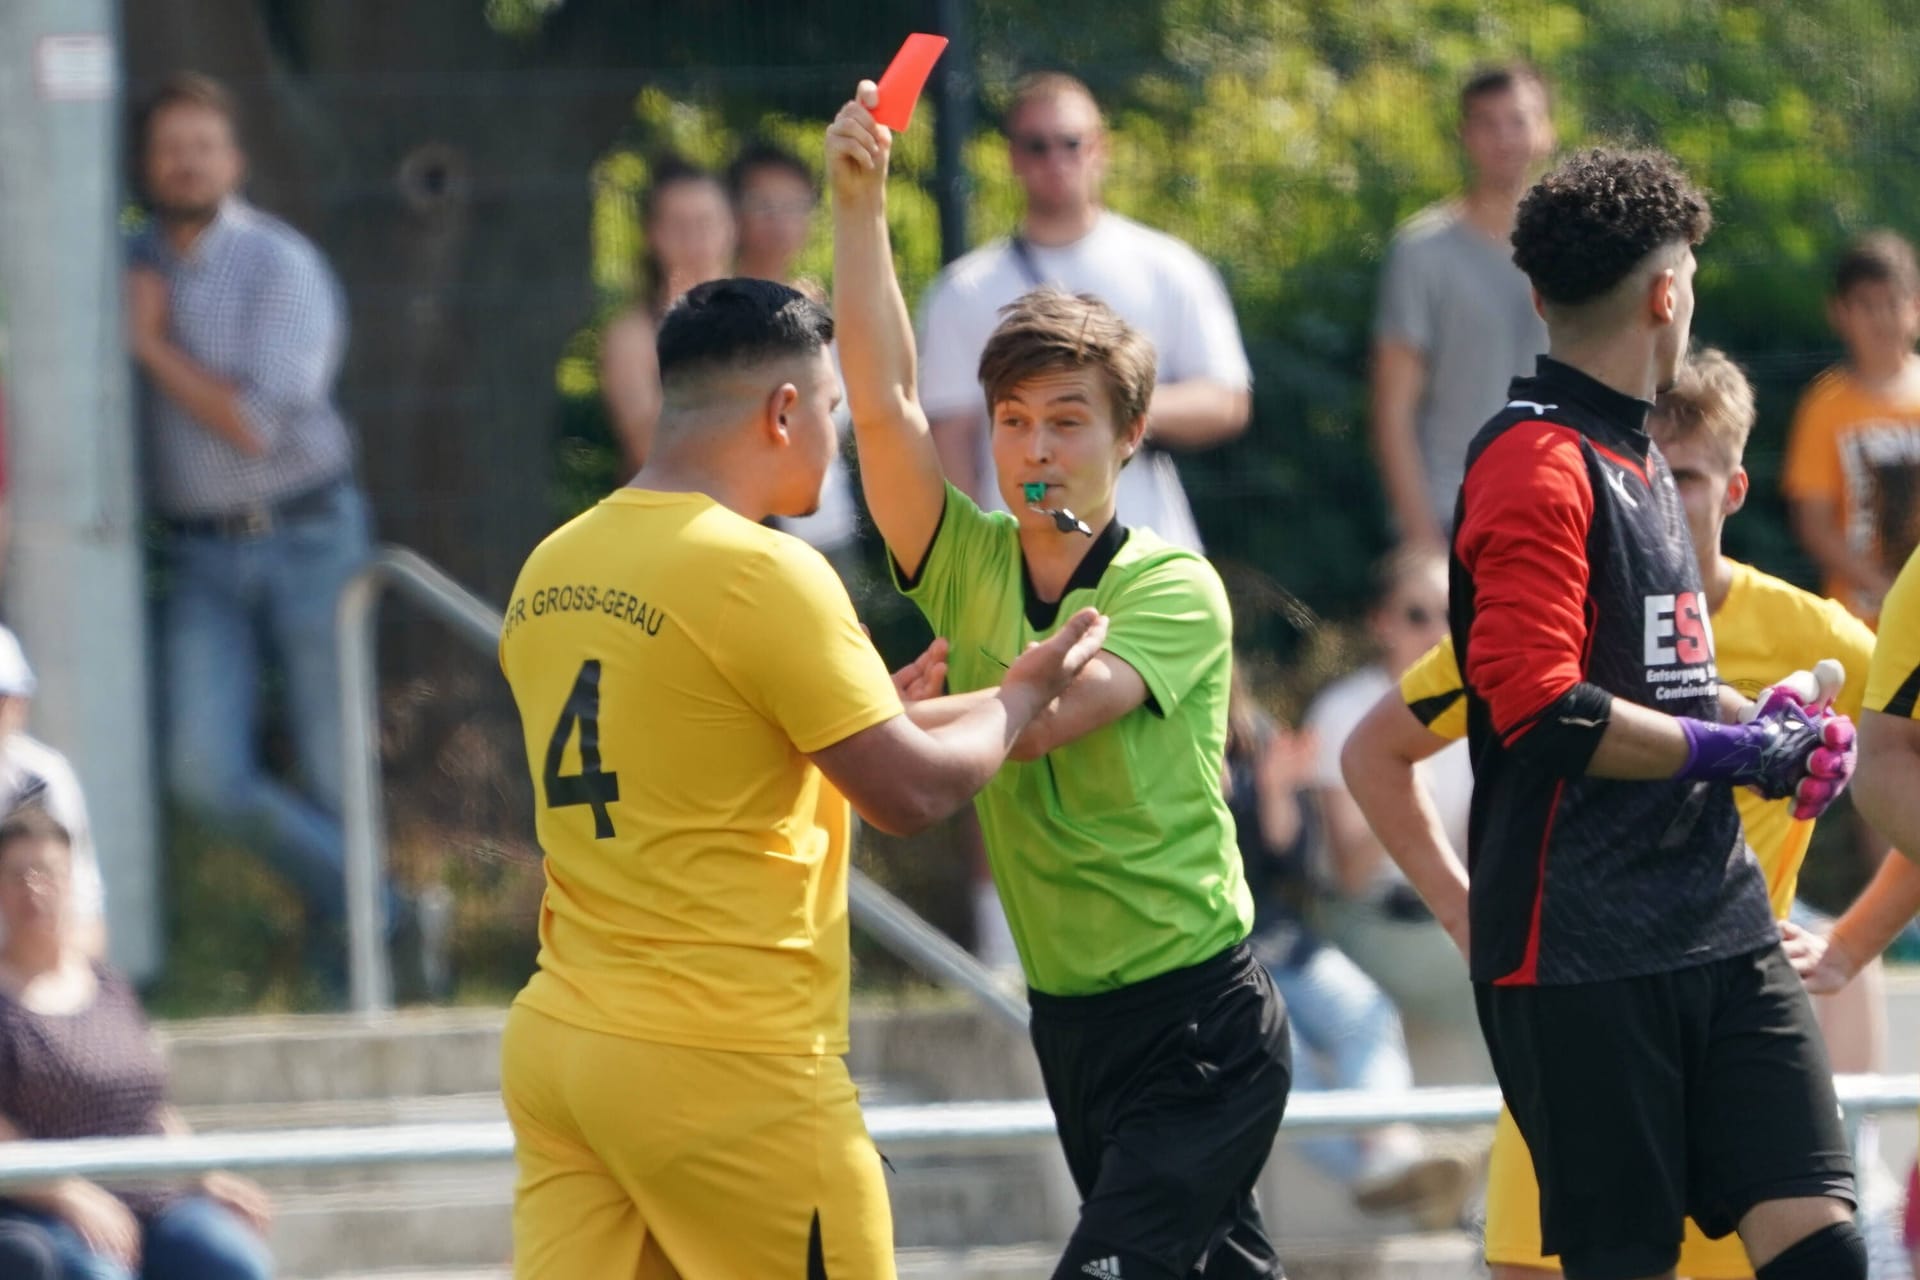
(1435, 693)
(1893, 678)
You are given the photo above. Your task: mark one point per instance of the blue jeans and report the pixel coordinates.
(1346, 1035)
(192, 1239)
(234, 605)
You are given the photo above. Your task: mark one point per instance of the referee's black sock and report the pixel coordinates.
(1838, 1252)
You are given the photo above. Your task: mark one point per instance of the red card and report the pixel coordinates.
(905, 76)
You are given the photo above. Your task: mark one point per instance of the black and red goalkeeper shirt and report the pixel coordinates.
(1574, 582)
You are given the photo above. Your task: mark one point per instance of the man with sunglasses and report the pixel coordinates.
(1057, 146)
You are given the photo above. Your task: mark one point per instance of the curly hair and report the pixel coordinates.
(1586, 225)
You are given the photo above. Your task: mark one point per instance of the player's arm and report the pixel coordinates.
(1886, 785)
(1399, 378)
(899, 466)
(903, 777)
(1529, 506)
(1378, 764)
(956, 441)
(1103, 692)
(1868, 927)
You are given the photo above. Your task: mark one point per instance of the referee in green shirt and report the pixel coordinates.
(1162, 1042)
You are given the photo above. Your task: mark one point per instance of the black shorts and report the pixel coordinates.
(1168, 1094)
(1702, 1092)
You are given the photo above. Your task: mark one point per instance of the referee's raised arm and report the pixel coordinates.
(899, 466)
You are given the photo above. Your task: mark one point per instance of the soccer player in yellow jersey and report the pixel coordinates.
(1763, 628)
(1888, 795)
(697, 699)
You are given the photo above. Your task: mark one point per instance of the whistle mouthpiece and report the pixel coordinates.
(1035, 491)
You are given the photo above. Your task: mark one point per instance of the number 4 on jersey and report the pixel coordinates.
(590, 786)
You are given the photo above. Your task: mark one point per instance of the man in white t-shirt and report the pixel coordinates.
(1159, 285)
(31, 772)
(1370, 911)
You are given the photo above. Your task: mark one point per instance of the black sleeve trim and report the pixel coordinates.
(1902, 702)
(1427, 710)
(908, 581)
(1566, 733)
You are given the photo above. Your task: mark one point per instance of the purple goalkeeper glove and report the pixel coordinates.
(1788, 750)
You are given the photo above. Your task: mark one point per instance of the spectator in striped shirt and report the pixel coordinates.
(238, 325)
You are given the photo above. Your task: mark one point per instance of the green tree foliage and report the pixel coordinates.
(1286, 139)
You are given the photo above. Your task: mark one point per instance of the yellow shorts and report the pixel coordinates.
(1513, 1219)
(667, 1163)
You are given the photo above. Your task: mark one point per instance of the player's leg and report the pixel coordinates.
(694, 1135)
(571, 1216)
(1192, 1099)
(1593, 1075)
(1767, 1151)
(1513, 1208)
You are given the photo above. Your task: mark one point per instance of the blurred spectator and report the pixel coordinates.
(1372, 913)
(1057, 145)
(1456, 321)
(34, 774)
(239, 326)
(1345, 1032)
(774, 195)
(1852, 474)
(77, 1061)
(688, 227)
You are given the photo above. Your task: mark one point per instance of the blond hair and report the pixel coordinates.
(1051, 331)
(1712, 399)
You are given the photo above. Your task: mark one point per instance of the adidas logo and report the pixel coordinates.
(1103, 1268)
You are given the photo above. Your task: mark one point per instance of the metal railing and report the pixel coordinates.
(945, 1126)
(888, 920)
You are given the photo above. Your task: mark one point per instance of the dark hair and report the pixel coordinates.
(1049, 330)
(1503, 78)
(735, 322)
(1877, 257)
(665, 170)
(1587, 224)
(32, 822)
(759, 155)
(181, 89)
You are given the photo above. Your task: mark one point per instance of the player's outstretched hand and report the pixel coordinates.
(858, 146)
(1050, 666)
(926, 676)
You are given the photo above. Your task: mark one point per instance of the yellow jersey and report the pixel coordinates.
(1764, 630)
(1893, 681)
(674, 664)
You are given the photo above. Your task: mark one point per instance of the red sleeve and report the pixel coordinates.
(1523, 540)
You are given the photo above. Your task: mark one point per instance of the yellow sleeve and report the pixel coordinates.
(1850, 641)
(790, 642)
(1812, 467)
(1435, 693)
(1893, 680)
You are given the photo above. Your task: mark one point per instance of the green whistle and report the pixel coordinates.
(1035, 491)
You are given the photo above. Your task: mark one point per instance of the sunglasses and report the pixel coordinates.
(1039, 146)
